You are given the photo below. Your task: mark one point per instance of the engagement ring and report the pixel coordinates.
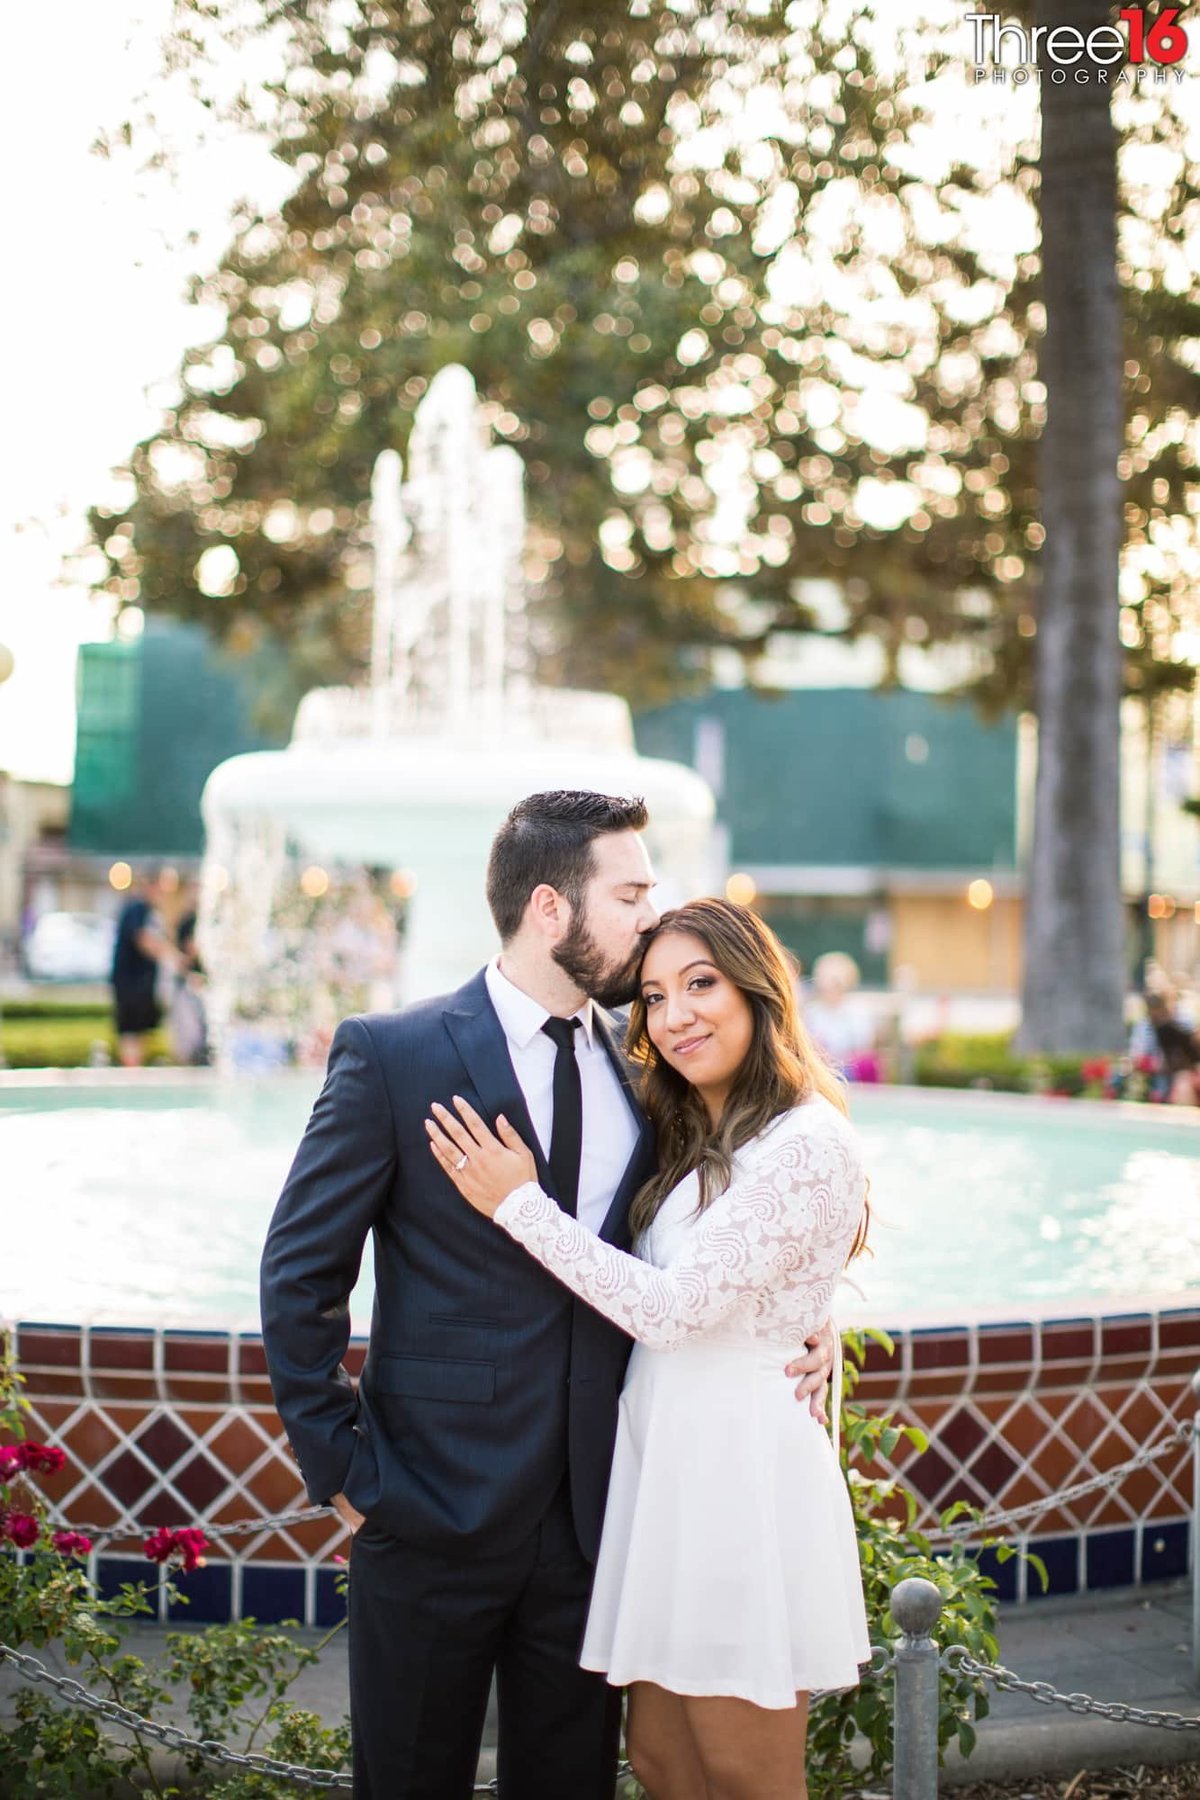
(462, 1161)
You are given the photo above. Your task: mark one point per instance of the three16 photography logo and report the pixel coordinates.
(1144, 47)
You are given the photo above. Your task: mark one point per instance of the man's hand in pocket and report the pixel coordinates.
(350, 1516)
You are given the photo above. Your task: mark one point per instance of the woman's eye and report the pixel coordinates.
(701, 981)
(650, 999)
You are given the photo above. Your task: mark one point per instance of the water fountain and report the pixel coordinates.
(347, 870)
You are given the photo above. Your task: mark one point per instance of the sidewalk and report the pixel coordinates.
(1117, 1645)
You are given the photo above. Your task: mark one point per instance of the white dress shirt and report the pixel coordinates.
(609, 1129)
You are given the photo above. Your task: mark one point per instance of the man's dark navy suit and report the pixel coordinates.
(479, 1441)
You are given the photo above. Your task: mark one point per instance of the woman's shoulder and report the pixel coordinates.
(814, 1121)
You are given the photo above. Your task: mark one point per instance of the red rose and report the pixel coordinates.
(23, 1529)
(188, 1542)
(191, 1544)
(71, 1543)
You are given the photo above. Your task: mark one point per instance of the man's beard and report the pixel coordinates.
(580, 957)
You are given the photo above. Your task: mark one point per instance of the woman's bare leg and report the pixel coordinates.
(662, 1753)
(749, 1752)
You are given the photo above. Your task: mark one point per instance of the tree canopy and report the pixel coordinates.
(748, 321)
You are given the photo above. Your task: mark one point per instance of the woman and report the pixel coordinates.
(727, 1587)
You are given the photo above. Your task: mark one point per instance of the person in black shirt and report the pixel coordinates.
(140, 947)
(1178, 1047)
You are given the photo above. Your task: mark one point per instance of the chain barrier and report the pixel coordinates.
(173, 1737)
(958, 1659)
(129, 1528)
(1179, 1434)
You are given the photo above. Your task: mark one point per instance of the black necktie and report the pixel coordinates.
(566, 1132)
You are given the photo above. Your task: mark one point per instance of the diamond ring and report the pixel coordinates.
(462, 1161)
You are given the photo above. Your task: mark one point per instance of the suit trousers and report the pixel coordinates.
(426, 1633)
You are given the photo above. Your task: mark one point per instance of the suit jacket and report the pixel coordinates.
(485, 1380)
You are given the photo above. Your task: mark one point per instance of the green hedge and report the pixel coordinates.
(66, 1043)
(958, 1060)
(52, 1008)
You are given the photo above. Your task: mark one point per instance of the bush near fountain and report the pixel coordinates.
(958, 1060)
(52, 1034)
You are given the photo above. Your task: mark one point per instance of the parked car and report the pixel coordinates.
(70, 946)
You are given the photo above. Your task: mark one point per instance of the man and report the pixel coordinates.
(140, 947)
(472, 1463)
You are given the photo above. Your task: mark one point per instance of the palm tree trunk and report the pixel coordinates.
(1074, 980)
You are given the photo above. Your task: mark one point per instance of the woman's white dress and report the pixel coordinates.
(728, 1563)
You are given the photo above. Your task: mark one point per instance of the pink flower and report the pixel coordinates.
(12, 1461)
(71, 1543)
(22, 1528)
(159, 1545)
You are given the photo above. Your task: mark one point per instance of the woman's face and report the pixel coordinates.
(697, 1020)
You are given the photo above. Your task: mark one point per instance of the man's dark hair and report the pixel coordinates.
(548, 838)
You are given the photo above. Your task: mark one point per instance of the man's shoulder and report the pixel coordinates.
(419, 1017)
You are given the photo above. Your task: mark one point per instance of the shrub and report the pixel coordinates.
(233, 1679)
(47, 1041)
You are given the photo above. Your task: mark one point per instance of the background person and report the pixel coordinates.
(838, 1020)
(141, 946)
(188, 1025)
(1178, 1049)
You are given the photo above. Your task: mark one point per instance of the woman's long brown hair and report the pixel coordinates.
(782, 1067)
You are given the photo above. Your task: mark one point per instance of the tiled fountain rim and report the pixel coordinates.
(176, 1424)
(1059, 1311)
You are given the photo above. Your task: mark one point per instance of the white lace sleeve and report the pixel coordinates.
(789, 1219)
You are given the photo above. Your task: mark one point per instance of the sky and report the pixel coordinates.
(93, 318)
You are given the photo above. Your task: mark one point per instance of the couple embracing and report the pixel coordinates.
(527, 1497)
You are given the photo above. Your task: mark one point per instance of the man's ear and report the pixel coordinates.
(549, 913)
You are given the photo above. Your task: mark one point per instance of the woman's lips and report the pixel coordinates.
(690, 1044)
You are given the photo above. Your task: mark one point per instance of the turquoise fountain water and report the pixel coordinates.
(148, 1204)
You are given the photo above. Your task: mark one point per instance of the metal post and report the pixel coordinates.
(1195, 1544)
(916, 1605)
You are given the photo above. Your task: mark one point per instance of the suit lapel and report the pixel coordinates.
(479, 1039)
(639, 1168)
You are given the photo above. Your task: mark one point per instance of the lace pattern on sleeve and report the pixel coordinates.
(781, 1231)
